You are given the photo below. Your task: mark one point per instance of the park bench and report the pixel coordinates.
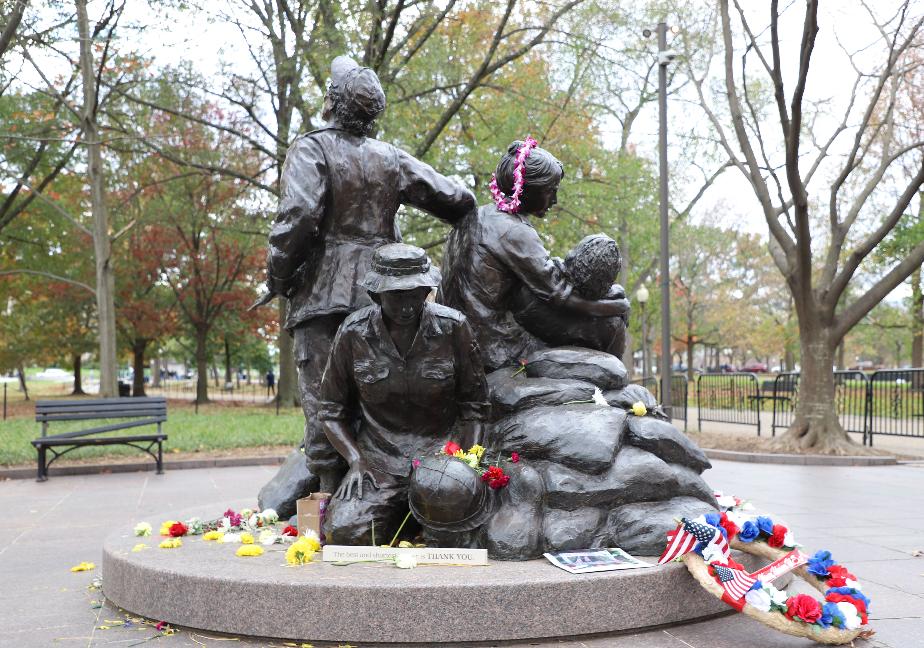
(144, 411)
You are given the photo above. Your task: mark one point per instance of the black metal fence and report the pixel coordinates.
(680, 394)
(850, 395)
(895, 403)
(889, 402)
(728, 398)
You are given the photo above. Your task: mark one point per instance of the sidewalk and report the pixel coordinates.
(868, 518)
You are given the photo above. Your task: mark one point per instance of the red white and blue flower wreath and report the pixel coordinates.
(704, 545)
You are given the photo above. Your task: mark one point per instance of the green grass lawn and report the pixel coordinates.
(215, 427)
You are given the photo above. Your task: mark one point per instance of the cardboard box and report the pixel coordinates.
(310, 512)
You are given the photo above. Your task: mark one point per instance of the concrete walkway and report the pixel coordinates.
(868, 517)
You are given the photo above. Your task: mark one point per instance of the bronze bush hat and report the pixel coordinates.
(445, 494)
(398, 266)
(359, 85)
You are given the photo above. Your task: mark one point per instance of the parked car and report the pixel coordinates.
(755, 367)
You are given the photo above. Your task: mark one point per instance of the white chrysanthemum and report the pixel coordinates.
(758, 599)
(267, 537)
(269, 516)
(725, 501)
(143, 529)
(230, 538)
(851, 616)
(311, 533)
(405, 561)
(598, 397)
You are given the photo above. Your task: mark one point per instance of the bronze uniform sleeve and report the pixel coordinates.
(337, 385)
(303, 186)
(422, 187)
(471, 385)
(523, 253)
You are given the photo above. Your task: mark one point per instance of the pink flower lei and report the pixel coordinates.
(512, 205)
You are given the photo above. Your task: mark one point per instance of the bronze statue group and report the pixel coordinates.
(392, 353)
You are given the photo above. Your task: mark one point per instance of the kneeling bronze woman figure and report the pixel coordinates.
(404, 376)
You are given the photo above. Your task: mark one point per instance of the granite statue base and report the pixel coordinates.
(206, 586)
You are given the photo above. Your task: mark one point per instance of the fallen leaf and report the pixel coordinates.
(83, 566)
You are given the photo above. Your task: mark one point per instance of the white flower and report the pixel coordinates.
(778, 597)
(789, 540)
(251, 521)
(852, 583)
(225, 525)
(725, 501)
(405, 561)
(758, 599)
(598, 397)
(230, 538)
(746, 506)
(311, 533)
(143, 529)
(711, 554)
(269, 516)
(851, 617)
(246, 513)
(267, 537)
(738, 518)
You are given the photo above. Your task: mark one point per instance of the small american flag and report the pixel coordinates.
(734, 581)
(708, 536)
(679, 542)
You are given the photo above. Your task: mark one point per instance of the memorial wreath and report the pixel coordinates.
(704, 544)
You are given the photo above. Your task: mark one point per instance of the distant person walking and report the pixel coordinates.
(270, 383)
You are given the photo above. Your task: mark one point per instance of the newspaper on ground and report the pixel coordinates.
(595, 560)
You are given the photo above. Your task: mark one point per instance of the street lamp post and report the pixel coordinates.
(641, 297)
(665, 56)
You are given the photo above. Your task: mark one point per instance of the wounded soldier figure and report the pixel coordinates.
(403, 377)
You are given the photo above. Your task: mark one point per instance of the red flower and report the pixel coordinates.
(730, 527)
(451, 448)
(290, 531)
(803, 606)
(178, 529)
(515, 457)
(776, 538)
(839, 576)
(834, 597)
(495, 477)
(415, 463)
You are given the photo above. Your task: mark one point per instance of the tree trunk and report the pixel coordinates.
(138, 348)
(815, 424)
(227, 361)
(202, 366)
(840, 355)
(155, 372)
(690, 347)
(285, 386)
(78, 382)
(102, 245)
(22, 382)
(917, 319)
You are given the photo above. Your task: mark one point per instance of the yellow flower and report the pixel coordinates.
(476, 450)
(246, 538)
(639, 409)
(212, 535)
(84, 566)
(250, 550)
(165, 527)
(459, 454)
(139, 547)
(302, 551)
(171, 543)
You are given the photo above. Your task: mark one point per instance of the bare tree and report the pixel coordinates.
(9, 26)
(819, 244)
